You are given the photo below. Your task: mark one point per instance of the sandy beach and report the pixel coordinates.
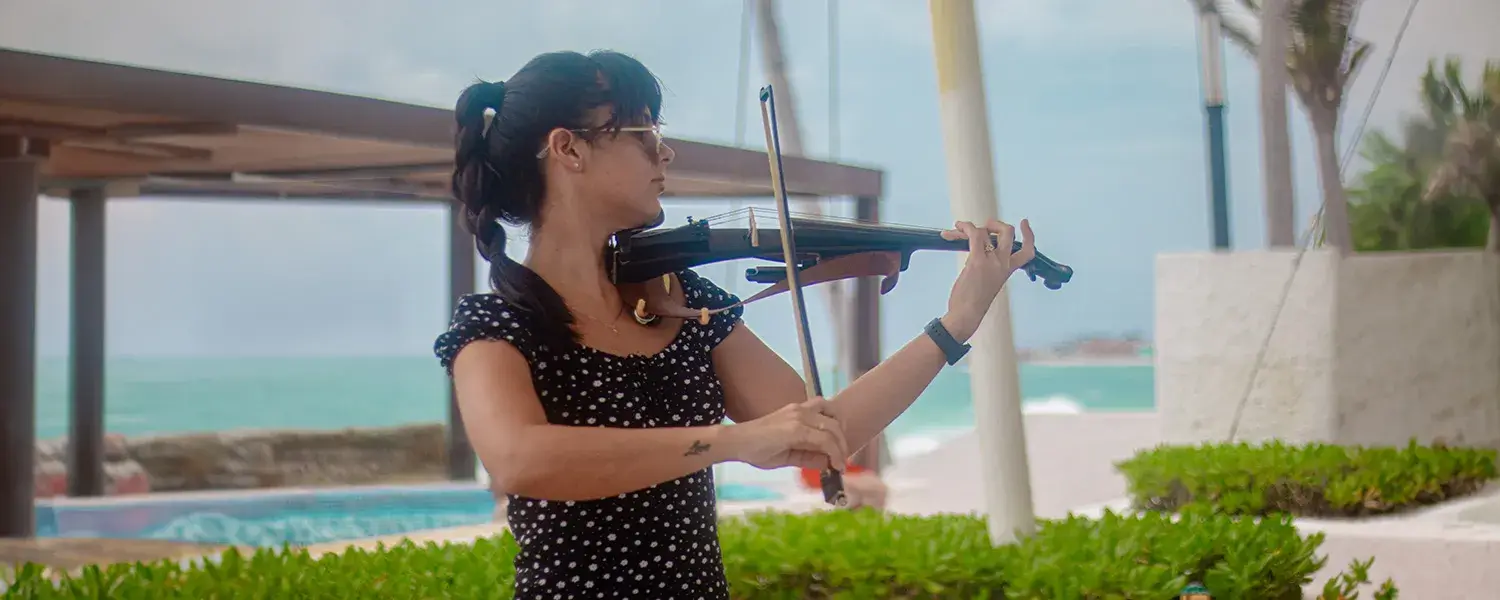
(1072, 460)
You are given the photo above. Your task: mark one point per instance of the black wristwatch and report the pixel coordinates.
(950, 347)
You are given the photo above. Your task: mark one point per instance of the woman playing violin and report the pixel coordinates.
(601, 429)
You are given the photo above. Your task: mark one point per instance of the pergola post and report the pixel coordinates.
(86, 357)
(20, 161)
(462, 463)
(866, 332)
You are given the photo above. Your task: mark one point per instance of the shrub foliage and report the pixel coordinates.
(834, 554)
(1310, 480)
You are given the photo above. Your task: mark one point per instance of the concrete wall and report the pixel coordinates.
(1369, 349)
(1419, 348)
(274, 458)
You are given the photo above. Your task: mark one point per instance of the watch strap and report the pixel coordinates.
(952, 349)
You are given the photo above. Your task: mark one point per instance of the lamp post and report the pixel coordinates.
(1211, 60)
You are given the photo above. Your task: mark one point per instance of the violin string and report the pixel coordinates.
(811, 220)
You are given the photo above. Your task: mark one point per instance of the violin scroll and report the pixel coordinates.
(1052, 273)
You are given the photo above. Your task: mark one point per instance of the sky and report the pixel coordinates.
(1095, 116)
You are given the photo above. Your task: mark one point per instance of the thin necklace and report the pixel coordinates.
(611, 324)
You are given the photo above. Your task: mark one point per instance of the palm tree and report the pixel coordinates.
(1466, 129)
(1322, 60)
(1388, 210)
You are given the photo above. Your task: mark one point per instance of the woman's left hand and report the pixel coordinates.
(984, 273)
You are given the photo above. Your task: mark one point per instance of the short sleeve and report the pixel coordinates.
(700, 292)
(481, 317)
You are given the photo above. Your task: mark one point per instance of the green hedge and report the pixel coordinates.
(1308, 480)
(834, 554)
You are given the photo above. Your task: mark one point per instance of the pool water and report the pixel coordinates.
(297, 518)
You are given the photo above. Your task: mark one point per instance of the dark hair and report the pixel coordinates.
(497, 176)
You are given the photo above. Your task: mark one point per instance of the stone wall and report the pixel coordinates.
(121, 474)
(1369, 349)
(273, 458)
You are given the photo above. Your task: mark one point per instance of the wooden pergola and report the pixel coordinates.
(92, 131)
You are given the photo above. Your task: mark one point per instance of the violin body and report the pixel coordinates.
(644, 255)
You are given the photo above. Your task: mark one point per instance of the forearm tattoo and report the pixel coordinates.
(697, 448)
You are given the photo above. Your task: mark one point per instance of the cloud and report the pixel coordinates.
(289, 41)
(401, 50)
(1106, 22)
(1438, 28)
(1164, 23)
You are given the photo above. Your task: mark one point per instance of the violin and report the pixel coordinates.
(827, 249)
(810, 250)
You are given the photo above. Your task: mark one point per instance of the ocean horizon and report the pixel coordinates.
(165, 396)
(146, 396)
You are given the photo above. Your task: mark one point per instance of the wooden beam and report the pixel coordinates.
(360, 172)
(154, 150)
(78, 162)
(49, 130)
(865, 341)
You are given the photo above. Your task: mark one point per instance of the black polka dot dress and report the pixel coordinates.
(660, 542)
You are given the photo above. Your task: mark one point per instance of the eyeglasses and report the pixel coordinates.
(651, 137)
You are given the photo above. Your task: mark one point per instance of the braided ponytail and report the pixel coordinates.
(478, 186)
(497, 177)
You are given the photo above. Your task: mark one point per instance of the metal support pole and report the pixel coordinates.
(86, 359)
(462, 463)
(865, 339)
(971, 181)
(1211, 56)
(18, 254)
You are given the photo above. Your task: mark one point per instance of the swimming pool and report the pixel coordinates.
(300, 517)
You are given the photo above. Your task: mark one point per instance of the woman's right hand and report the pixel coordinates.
(796, 435)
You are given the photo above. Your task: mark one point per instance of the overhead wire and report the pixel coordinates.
(1315, 224)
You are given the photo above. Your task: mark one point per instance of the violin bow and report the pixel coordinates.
(832, 479)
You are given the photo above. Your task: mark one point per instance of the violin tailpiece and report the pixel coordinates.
(646, 313)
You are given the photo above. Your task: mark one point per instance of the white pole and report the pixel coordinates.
(971, 182)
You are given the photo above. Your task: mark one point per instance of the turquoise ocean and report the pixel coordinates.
(180, 395)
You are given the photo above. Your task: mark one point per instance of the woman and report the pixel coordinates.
(601, 430)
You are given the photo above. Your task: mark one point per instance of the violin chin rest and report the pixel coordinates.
(889, 282)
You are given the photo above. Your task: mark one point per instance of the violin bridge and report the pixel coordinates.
(754, 231)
